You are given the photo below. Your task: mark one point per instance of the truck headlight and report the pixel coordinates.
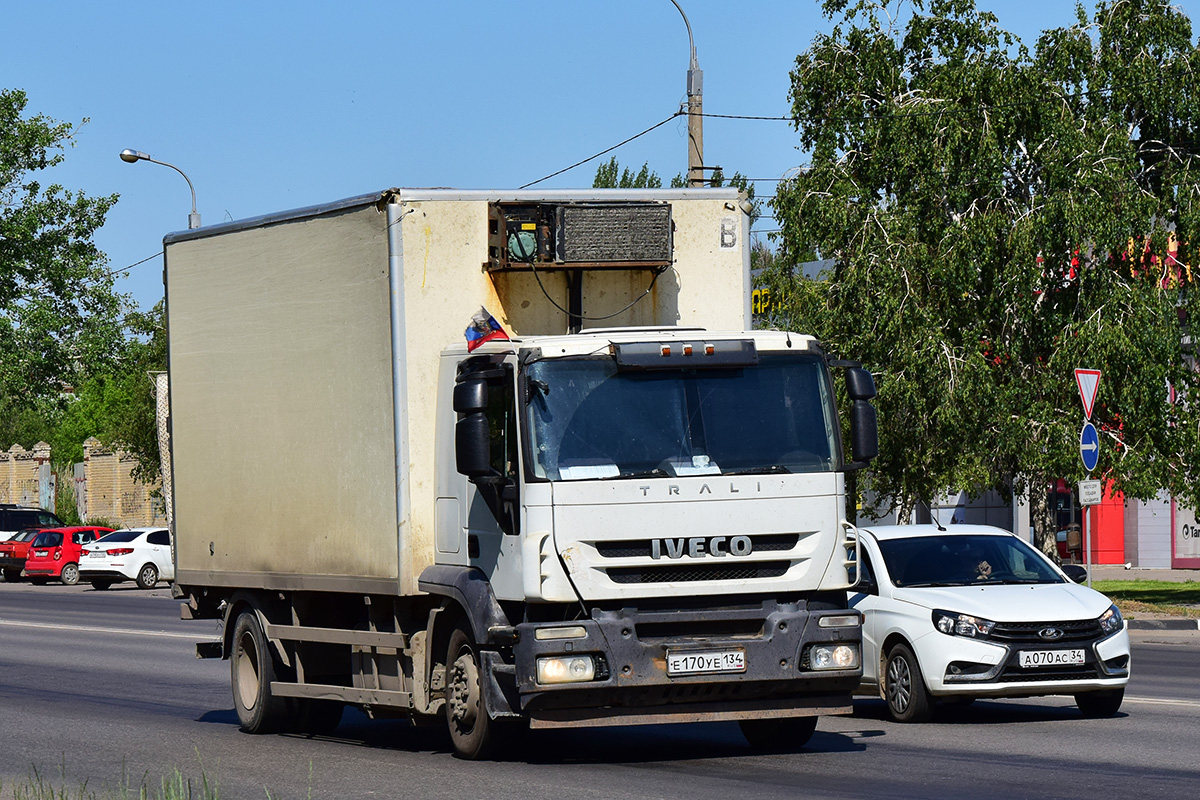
(953, 624)
(1110, 621)
(830, 656)
(566, 669)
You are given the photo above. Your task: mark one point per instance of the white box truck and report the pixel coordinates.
(571, 526)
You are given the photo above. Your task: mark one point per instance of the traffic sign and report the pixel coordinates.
(1090, 493)
(1088, 381)
(1089, 446)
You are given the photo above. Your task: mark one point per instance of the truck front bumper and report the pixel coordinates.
(677, 665)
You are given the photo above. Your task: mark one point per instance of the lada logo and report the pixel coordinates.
(701, 546)
(1050, 634)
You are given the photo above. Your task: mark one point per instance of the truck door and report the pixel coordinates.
(492, 500)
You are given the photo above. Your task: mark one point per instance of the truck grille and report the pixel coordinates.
(640, 548)
(681, 573)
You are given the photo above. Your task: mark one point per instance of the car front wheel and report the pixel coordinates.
(1094, 705)
(907, 698)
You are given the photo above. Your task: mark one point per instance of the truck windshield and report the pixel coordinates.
(588, 420)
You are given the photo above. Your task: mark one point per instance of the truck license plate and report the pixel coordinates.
(699, 662)
(1051, 658)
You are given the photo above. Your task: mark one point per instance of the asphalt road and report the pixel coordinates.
(103, 688)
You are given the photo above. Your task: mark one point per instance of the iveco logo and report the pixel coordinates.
(1050, 634)
(699, 546)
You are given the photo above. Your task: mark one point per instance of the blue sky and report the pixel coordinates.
(269, 106)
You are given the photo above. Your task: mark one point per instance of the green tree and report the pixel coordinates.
(997, 218)
(610, 176)
(59, 313)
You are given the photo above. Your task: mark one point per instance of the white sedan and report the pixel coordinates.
(972, 611)
(142, 555)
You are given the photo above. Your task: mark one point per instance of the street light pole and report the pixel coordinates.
(695, 105)
(134, 156)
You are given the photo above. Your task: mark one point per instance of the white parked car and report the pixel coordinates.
(142, 555)
(970, 611)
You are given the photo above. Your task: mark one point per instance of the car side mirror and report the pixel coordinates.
(1075, 572)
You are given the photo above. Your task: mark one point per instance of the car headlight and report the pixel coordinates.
(953, 624)
(1110, 621)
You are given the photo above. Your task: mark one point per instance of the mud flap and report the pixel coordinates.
(499, 686)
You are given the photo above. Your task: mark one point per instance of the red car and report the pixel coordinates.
(54, 553)
(13, 553)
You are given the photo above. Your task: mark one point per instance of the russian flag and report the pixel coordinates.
(483, 328)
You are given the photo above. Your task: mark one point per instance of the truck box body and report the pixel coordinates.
(286, 333)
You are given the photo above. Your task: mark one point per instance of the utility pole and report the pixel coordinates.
(695, 110)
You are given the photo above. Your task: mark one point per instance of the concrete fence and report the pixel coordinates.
(104, 484)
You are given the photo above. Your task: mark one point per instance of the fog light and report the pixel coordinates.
(832, 656)
(565, 669)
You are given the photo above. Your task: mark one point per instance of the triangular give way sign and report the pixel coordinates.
(1089, 382)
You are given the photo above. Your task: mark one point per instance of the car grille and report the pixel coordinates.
(709, 572)
(1026, 633)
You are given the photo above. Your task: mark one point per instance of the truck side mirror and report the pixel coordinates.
(472, 447)
(864, 431)
(470, 396)
(472, 443)
(860, 385)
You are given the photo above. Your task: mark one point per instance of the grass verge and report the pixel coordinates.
(1153, 597)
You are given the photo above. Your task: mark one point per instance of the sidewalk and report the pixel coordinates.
(1143, 620)
(1116, 572)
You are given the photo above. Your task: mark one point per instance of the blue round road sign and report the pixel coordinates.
(1089, 446)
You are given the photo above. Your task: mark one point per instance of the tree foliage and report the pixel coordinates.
(609, 175)
(59, 313)
(998, 217)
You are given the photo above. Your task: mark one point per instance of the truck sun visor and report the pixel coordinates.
(683, 355)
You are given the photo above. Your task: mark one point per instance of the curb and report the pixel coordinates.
(1164, 624)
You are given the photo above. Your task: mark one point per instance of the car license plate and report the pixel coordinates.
(97, 554)
(41, 553)
(1051, 658)
(699, 662)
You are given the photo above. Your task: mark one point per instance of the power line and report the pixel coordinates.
(131, 266)
(605, 151)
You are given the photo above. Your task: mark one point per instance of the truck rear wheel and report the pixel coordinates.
(252, 669)
(466, 713)
(778, 735)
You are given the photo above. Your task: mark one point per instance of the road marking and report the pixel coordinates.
(119, 631)
(1163, 701)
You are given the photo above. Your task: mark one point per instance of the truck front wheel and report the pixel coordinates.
(778, 735)
(466, 713)
(252, 669)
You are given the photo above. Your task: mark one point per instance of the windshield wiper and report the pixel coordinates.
(770, 469)
(928, 585)
(657, 472)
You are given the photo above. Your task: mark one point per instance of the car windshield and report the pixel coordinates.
(958, 559)
(119, 536)
(589, 420)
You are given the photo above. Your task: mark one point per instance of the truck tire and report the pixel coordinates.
(778, 735)
(252, 668)
(904, 686)
(1094, 705)
(466, 713)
